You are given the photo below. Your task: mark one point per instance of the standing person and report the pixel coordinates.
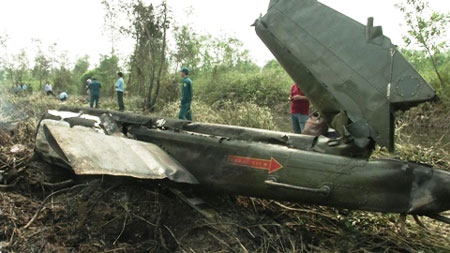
(87, 85)
(299, 109)
(17, 88)
(94, 90)
(186, 96)
(24, 87)
(120, 86)
(48, 89)
(88, 81)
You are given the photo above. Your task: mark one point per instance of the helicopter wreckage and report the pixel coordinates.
(354, 76)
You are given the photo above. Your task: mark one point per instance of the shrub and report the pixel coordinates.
(247, 114)
(267, 88)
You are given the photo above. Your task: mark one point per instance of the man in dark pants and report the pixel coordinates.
(120, 86)
(186, 96)
(94, 89)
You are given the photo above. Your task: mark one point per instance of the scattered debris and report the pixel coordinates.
(112, 214)
(17, 149)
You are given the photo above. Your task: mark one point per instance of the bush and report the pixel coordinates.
(247, 114)
(267, 88)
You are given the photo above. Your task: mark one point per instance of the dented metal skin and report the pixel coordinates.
(351, 73)
(301, 173)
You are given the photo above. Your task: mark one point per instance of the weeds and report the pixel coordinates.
(142, 216)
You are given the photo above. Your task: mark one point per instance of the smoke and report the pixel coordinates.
(8, 113)
(3, 118)
(2, 101)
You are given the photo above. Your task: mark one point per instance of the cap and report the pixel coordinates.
(185, 70)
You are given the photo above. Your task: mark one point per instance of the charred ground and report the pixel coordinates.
(47, 209)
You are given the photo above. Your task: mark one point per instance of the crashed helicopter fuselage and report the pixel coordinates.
(239, 160)
(352, 74)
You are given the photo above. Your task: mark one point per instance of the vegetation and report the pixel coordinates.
(103, 215)
(428, 30)
(229, 88)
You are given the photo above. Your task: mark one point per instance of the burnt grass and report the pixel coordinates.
(93, 214)
(44, 208)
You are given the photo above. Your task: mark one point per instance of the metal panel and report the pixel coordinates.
(91, 153)
(343, 66)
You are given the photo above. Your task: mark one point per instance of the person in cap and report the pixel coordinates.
(120, 87)
(186, 96)
(94, 91)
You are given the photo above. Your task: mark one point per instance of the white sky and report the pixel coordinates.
(77, 25)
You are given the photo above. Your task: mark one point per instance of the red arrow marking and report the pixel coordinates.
(271, 165)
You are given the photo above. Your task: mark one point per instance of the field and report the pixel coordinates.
(46, 209)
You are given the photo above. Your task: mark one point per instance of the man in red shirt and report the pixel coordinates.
(299, 109)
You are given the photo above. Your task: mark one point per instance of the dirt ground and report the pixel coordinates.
(126, 215)
(44, 208)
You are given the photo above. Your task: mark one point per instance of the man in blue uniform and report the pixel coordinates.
(186, 96)
(94, 90)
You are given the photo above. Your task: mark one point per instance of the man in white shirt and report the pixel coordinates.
(49, 89)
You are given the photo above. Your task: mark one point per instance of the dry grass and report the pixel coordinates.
(103, 214)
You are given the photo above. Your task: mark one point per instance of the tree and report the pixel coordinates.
(106, 73)
(188, 48)
(149, 27)
(81, 66)
(6, 60)
(427, 29)
(42, 62)
(225, 53)
(61, 69)
(111, 26)
(21, 65)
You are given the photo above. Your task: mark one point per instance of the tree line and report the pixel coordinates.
(220, 66)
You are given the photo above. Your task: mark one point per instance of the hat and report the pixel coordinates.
(185, 70)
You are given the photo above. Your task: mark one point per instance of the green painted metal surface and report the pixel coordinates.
(351, 73)
(263, 163)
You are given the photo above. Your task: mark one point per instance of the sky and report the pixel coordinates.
(77, 25)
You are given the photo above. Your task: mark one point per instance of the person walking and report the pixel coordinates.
(299, 109)
(120, 87)
(94, 91)
(186, 96)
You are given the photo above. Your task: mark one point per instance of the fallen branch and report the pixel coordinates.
(144, 220)
(303, 210)
(123, 228)
(48, 197)
(221, 241)
(59, 184)
(173, 236)
(6, 186)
